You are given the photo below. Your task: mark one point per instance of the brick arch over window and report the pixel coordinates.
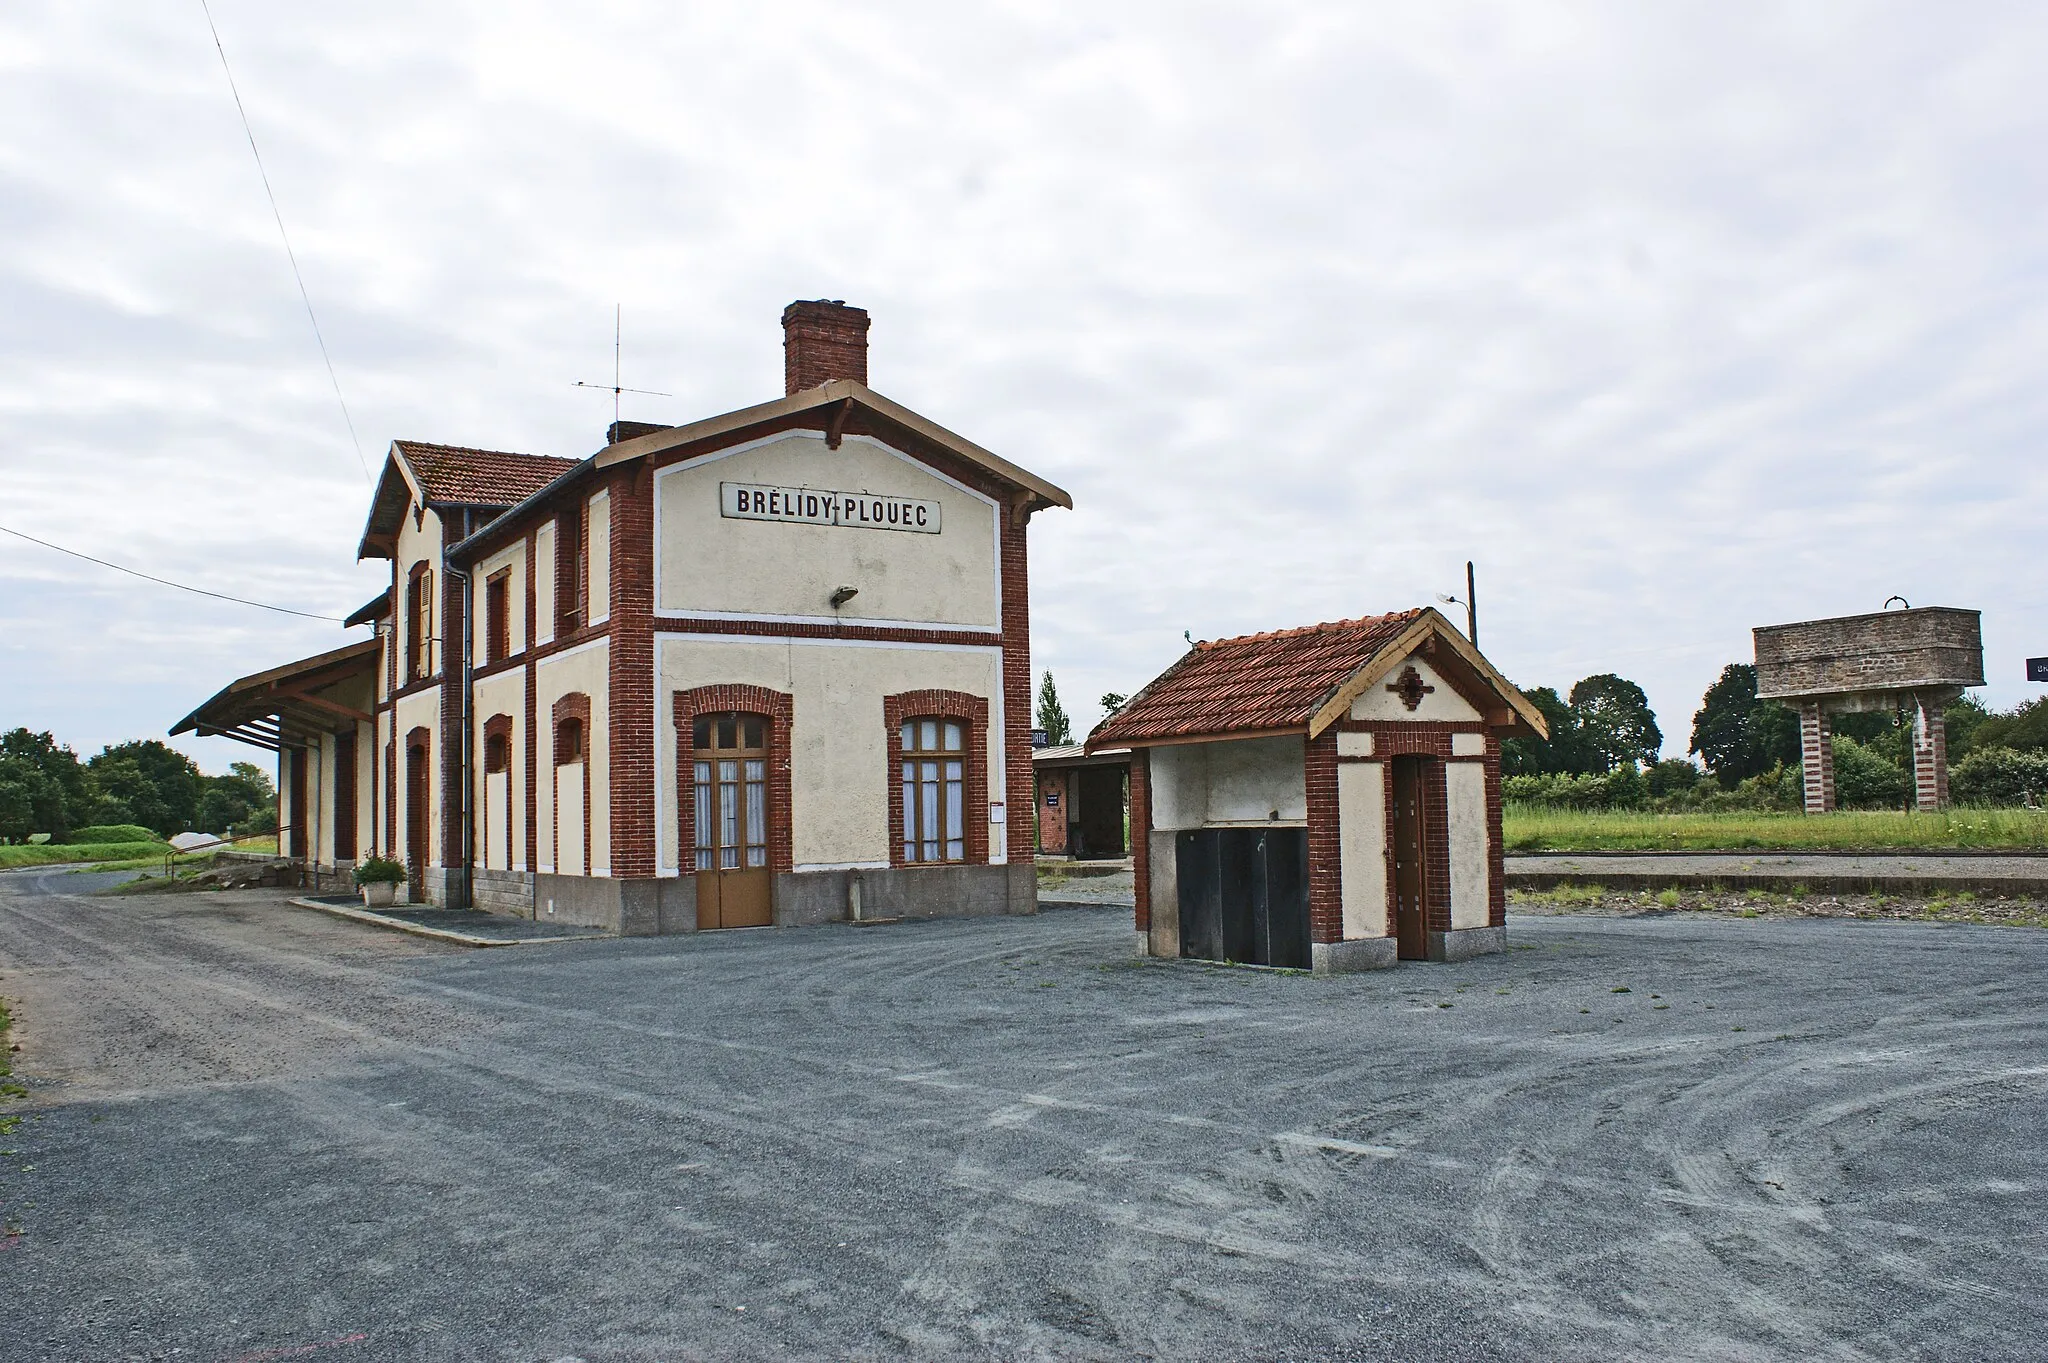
(496, 817)
(973, 710)
(573, 707)
(732, 697)
(498, 729)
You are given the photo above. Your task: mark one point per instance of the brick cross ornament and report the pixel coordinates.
(1410, 687)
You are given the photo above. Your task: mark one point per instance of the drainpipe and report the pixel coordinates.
(466, 805)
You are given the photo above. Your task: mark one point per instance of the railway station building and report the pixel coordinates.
(769, 667)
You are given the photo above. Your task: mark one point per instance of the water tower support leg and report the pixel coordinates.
(1817, 757)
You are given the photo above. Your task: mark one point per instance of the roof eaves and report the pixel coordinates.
(824, 395)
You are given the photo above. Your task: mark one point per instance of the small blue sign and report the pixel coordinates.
(1052, 799)
(2037, 669)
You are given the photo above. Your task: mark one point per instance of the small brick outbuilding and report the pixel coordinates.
(1323, 798)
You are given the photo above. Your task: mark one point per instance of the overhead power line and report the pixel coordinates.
(166, 582)
(290, 255)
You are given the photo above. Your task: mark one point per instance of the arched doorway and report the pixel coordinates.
(416, 822)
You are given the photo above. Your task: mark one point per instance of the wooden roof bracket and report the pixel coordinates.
(836, 429)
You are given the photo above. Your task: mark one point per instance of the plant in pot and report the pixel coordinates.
(379, 878)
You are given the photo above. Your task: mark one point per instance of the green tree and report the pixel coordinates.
(1738, 736)
(1964, 716)
(149, 783)
(1561, 753)
(1615, 722)
(1052, 716)
(1113, 701)
(235, 800)
(2023, 728)
(49, 778)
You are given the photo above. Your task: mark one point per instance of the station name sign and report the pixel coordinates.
(822, 506)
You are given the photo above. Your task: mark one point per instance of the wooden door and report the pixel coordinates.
(1411, 870)
(729, 758)
(416, 827)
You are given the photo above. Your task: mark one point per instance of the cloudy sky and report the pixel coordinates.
(1677, 319)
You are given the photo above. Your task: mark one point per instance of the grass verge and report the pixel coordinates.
(15, 855)
(1535, 829)
(1797, 903)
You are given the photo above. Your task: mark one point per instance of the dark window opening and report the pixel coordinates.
(498, 616)
(569, 742)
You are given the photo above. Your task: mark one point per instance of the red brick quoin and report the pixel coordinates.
(943, 705)
(773, 706)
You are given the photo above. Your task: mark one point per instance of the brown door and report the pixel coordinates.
(1411, 874)
(416, 824)
(730, 761)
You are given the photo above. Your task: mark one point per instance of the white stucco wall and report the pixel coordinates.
(1244, 781)
(512, 560)
(586, 668)
(839, 757)
(544, 583)
(1443, 703)
(421, 709)
(598, 545)
(504, 693)
(1465, 795)
(1362, 840)
(415, 545)
(706, 563)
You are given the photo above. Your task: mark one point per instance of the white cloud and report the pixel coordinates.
(1678, 319)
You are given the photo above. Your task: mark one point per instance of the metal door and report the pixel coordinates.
(1411, 873)
(1244, 895)
(730, 772)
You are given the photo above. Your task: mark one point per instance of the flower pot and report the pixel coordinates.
(379, 894)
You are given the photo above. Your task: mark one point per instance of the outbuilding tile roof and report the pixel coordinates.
(1277, 680)
(467, 477)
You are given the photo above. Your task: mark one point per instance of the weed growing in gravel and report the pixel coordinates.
(1669, 899)
(8, 1087)
(1621, 989)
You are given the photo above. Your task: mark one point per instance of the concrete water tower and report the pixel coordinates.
(1915, 659)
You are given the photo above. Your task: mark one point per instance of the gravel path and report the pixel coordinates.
(259, 1133)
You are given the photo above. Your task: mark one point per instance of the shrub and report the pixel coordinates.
(1865, 779)
(380, 871)
(113, 832)
(1999, 776)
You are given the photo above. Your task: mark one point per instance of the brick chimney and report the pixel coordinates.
(823, 340)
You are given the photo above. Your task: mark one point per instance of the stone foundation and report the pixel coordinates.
(1362, 953)
(1462, 944)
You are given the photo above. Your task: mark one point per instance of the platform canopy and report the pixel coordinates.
(288, 706)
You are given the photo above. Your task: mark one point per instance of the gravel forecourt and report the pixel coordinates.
(254, 1132)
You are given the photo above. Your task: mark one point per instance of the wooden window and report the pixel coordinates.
(934, 790)
(419, 623)
(498, 616)
(569, 742)
(730, 771)
(572, 573)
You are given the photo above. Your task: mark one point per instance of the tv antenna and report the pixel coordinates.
(618, 315)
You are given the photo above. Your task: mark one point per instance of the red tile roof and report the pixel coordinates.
(1257, 681)
(454, 473)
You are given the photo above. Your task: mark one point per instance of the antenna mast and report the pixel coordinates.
(618, 319)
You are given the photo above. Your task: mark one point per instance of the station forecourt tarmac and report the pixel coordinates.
(257, 1131)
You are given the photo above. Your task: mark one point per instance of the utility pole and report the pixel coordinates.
(1470, 603)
